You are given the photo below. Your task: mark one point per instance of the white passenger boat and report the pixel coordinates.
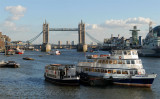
(56, 52)
(121, 67)
(61, 74)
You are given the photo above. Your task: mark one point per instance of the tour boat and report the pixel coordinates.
(121, 67)
(9, 64)
(63, 74)
(19, 51)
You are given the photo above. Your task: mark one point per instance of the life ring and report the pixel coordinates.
(120, 57)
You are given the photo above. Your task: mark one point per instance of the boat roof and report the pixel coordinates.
(61, 65)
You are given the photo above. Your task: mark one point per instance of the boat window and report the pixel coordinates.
(123, 61)
(99, 61)
(103, 61)
(133, 53)
(52, 68)
(118, 71)
(114, 61)
(140, 62)
(128, 52)
(135, 72)
(114, 71)
(86, 69)
(110, 61)
(132, 62)
(125, 53)
(110, 71)
(124, 72)
(131, 72)
(137, 61)
(106, 61)
(90, 69)
(128, 61)
(102, 70)
(119, 52)
(98, 70)
(106, 71)
(119, 61)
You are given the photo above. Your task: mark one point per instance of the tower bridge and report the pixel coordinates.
(81, 36)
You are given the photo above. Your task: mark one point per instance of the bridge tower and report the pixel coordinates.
(46, 47)
(81, 37)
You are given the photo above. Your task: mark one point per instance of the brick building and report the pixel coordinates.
(3, 39)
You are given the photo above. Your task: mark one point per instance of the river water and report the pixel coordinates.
(28, 80)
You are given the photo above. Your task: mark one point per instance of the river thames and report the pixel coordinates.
(28, 80)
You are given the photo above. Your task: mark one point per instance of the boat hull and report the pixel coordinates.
(19, 52)
(147, 82)
(70, 82)
(93, 80)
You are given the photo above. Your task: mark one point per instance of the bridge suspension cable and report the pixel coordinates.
(93, 39)
(33, 39)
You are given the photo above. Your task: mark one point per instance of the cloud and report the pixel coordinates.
(127, 23)
(8, 26)
(16, 12)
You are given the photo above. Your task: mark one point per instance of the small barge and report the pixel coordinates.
(27, 58)
(61, 74)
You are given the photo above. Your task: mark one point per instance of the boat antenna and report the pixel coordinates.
(150, 26)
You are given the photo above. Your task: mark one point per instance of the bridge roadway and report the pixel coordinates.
(64, 46)
(63, 29)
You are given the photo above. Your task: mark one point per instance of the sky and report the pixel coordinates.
(23, 19)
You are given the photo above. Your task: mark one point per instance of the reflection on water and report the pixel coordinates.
(28, 81)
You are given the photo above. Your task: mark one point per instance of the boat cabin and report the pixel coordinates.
(124, 54)
(57, 70)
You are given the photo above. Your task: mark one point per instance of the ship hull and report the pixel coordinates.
(134, 82)
(149, 53)
(19, 52)
(70, 82)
